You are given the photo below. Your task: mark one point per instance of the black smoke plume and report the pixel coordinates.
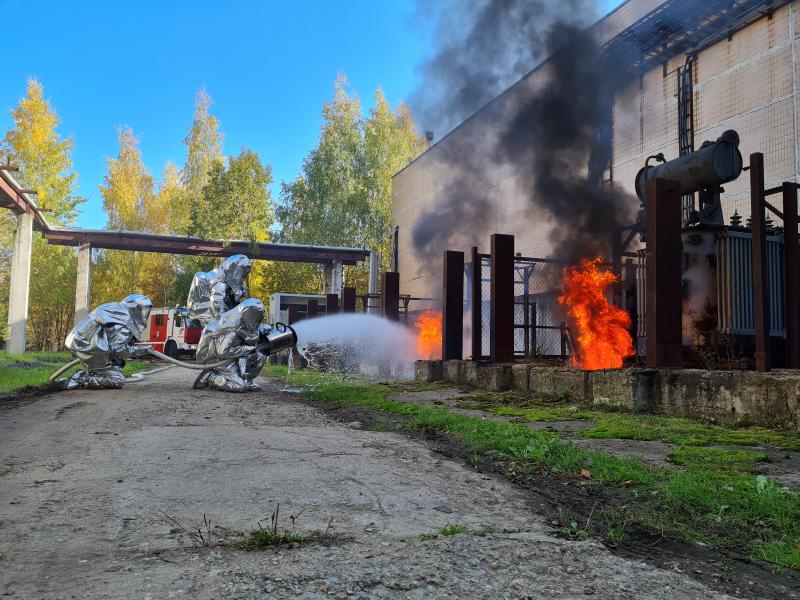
(551, 130)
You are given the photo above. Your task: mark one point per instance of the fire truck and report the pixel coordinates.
(171, 331)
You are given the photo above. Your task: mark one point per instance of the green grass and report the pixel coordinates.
(723, 508)
(446, 531)
(627, 426)
(261, 539)
(745, 461)
(34, 368)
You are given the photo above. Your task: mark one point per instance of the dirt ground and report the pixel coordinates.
(88, 480)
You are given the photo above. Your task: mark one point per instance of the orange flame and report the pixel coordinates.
(600, 329)
(429, 338)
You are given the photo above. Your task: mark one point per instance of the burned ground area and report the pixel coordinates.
(159, 491)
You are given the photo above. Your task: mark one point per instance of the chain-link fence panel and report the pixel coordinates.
(538, 316)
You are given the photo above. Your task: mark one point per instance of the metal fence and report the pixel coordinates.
(539, 328)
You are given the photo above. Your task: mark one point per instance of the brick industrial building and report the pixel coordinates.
(741, 73)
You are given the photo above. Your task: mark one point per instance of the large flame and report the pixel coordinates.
(429, 336)
(600, 329)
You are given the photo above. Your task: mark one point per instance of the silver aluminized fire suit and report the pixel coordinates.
(235, 335)
(105, 338)
(214, 300)
(214, 292)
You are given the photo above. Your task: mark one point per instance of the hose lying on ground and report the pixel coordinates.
(186, 365)
(160, 356)
(66, 367)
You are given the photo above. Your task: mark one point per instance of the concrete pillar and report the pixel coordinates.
(20, 284)
(83, 285)
(333, 278)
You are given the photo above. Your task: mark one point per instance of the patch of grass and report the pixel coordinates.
(717, 507)
(718, 458)
(627, 426)
(34, 368)
(261, 539)
(616, 525)
(446, 531)
(685, 432)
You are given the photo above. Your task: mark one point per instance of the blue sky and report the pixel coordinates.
(267, 65)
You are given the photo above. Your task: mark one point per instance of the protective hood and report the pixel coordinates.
(138, 307)
(251, 314)
(234, 271)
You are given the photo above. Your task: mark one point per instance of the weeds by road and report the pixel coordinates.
(713, 501)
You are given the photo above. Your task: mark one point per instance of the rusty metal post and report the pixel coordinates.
(616, 266)
(792, 275)
(477, 305)
(759, 264)
(630, 296)
(312, 309)
(390, 295)
(663, 291)
(501, 323)
(453, 306)
(349, 300)
(331, 304)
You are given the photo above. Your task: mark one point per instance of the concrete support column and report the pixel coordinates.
(333, 278)
(83, 285)
(20, 284)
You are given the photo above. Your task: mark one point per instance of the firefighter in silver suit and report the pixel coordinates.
(236, 336)
(105, 338)
(214, 292)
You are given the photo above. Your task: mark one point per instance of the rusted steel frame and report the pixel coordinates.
(349, 300)
(331, 304)
(390, 295)
(19, 204)
(630, 295)
(663, 275)
(477, 305)
(453, 306)
(501, 323)
(124, 240)
(792, 276)
(312, 310)
(759, 263)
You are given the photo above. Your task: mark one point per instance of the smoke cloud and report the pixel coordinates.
(549, 132)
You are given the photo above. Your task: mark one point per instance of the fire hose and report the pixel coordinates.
(285, 339)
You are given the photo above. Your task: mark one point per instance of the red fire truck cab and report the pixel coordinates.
(171, 331)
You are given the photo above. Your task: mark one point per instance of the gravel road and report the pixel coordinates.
(88, 480)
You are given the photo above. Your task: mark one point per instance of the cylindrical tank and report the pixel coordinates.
(713, 164)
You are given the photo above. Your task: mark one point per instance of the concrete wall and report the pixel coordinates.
(748, 83)
(726, 397)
